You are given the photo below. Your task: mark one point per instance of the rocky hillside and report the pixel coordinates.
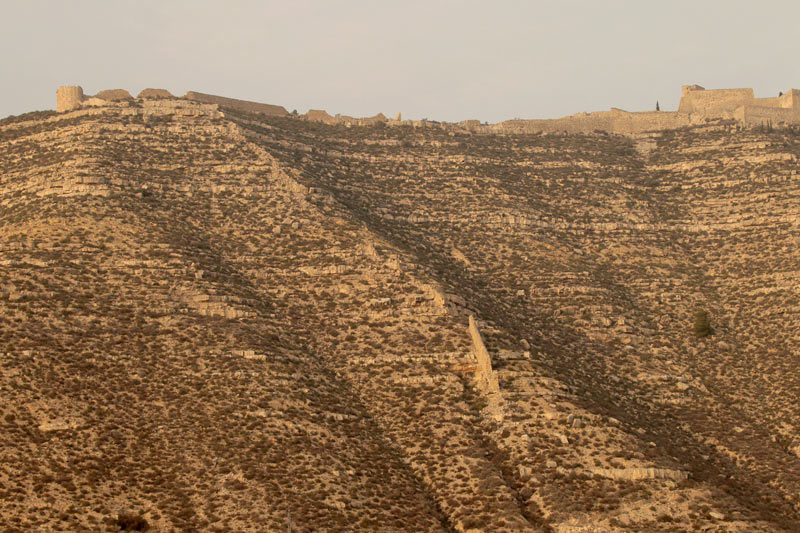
(216, 321)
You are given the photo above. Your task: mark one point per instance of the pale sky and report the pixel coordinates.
(436, 59)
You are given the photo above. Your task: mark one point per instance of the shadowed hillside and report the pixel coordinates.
(220, 321)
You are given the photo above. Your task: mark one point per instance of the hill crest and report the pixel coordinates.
(697, 106)
(226, 321)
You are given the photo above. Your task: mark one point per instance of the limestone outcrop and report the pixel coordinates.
(637, 474)
(485, 375)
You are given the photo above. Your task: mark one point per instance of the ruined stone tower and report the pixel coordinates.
(68, 97)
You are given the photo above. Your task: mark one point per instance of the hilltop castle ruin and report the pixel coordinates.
(697, 106)
(72, 97)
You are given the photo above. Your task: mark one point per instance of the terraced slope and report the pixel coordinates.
(593, 253)
(226, 322)
(144, 369)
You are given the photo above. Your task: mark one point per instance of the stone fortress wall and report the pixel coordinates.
(784, 109)
(697, 106)
(72, 97)
(318, 115)
(719, 102)
(69, 97)
(242, 105)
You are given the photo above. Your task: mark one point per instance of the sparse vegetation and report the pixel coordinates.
(131, 522)
(277, 326)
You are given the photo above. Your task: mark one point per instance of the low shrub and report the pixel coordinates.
(702, 324)
(132, 522)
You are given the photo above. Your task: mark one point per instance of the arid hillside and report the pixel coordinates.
(219, 321)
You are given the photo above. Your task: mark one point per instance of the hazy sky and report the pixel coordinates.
(442, 60)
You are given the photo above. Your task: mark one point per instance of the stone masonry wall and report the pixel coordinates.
(754, 115)
(626, 122)
(773, 101)
(242, 105)
(319, 115)
(792, 100)
(68, 97)
(155, 93)
(579, 123)
(114, 95)
(715, 103)
(616, 121)
(696, 105)
(785, 101)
